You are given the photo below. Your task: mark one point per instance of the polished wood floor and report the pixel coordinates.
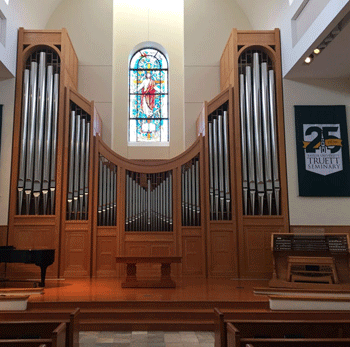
(187, 290)
(105, 305)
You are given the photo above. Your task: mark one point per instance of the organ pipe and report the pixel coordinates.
(76, 165)
(259, 137)
(22, 155)
(71, 166)
(86, 172)
(211, 172)
(219, 165)
(31, 136)
(226, 165)
(273, 123)
(148, 201)
(190, 193)
(38, 137)
(216, 168)
(47, 139)
(39, 133)
(54, 142)
(107, 211)
(78, 169)
(250, 139)
(244, 144)
(267, 135)
(82, 168)
(260, 184)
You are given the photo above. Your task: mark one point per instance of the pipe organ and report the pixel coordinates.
(251, 62)
(79, 155)
(107, 193)
(148, 201)
(219, 164)
(260, 168)
(216, 204)
(190, 193)
(38, 139)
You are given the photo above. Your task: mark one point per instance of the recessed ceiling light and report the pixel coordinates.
(317, 51)
(308, 60)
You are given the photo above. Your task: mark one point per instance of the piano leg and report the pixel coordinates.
(43, 274)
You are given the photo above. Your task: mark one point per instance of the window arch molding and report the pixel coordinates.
(148, 106)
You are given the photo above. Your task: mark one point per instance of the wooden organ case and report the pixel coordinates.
(197, 205)
(46, 65)
(251, 62)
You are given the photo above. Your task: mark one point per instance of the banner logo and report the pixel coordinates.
(323, 148)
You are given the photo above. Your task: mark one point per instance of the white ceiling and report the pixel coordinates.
(332, 62)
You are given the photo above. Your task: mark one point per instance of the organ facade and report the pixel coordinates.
(215, 205)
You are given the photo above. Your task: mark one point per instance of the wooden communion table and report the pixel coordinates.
(165, 278)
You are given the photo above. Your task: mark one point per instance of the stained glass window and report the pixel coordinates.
(148, 97)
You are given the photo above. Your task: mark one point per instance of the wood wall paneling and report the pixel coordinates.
(77, 257)
(106, 250)
(256, 254)
(192, 261)
(221, 254)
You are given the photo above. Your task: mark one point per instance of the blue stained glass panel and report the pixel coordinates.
(148, 97)
(161, 80)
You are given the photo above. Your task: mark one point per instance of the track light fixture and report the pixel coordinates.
(308, 59)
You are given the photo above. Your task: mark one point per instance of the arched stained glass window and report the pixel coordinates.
(148, 97)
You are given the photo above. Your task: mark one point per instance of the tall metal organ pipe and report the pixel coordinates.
(78, 169)
(219, 165)
(190, 195)
(38, 139)
(148, 201)
(107, 193)
(259, 136)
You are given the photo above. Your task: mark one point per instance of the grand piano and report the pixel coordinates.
(40, 257)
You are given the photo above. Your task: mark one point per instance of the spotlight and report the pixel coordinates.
(308, 60)
(317, 51)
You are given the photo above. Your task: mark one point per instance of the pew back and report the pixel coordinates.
(236, 338)
(29, 328)
(56, 339)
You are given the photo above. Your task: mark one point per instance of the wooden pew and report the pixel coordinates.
(237, 338)
(56, 339)
(220, 329)
(38, 327)
(317, 330)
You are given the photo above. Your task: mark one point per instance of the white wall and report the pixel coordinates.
(308, 210)
(264, 15)
(25, 14)
(90, 27)
(136, 22)
(7, 89)
(208, 24)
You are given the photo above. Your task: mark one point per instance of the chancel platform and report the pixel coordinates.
(105, 305)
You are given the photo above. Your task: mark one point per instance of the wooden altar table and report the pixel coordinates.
(165, 280)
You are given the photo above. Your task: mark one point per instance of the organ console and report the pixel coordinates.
(311, 261)
(215, 205)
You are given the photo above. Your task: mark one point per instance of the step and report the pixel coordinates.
(149, 325)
